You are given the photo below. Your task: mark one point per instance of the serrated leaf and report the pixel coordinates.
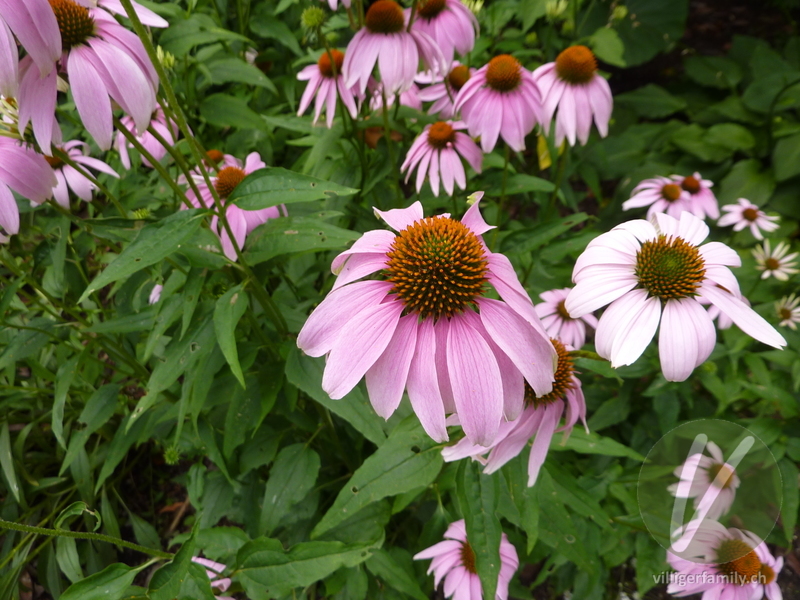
(292, 476)
(274, 186)
(109, 584)
(229, 309)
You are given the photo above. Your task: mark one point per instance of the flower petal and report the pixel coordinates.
(423, 384)
(386, 379)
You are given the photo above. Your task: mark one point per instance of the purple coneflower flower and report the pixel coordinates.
(437, 152)
(398, 52)
(69, 177)
(538, 420)
(146, 16)
(558, 323)
(28, 174)
(710, 480)
(500, 99)
(775, 263)
(747, 214)
(325, 79)
(658, 272)
(443, 92)
(158, 121)
(427, 326)
(213, 572)
(454, 561)
(449, 23)
(571, 85)
(702, 201)
(662, 195)
(36, 29)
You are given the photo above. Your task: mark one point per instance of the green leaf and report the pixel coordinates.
(527, 240)
(7, 461)
(531, 11)
(290, 235)
(651, 101)
(478, 495)
(521, 183)
(154, 243)
(650, 27)
(786, 157)
(730, 135)
(231, 69)
(576, 497)
(229, 309)
(273, 186)
(270, 27)
(120, 444)
(650, 562)
(99, 409)
(109, 584)
(608, 46)
(713, 71)
(747, 180)
(64, 376)
(141, 321)
(191, 294)
(525, 498)
(76, 509)
(167, 581)
(791, 497)
(407, 460)
(180, 37)
(591, 443)
(223, 110)
(382, 565)
(693, 139)
(292, 477)
(26, 342)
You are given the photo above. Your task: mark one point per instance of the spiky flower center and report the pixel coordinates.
(785, 313)
(738, 561)
(576, 64)
(440, 135)
(563, 379)
(458, 77)
(691, 184)
(669, 268)
(326, 68)
(562, 311)
(724, 472)
(214, 156)
(74, 23)
(430, 8)
(766, 574)
(54, 162)
(437, 266)
(385, 16)
(751, 214)
(772, 263)
(227, 180)
(671, 192)
(504, 73)
(468, 558)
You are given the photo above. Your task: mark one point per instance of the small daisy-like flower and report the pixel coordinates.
(661, 194)
(709, 480)
(437, 153)
(746, 214)
(558, 323)
(788, 310)
(454, 561)
(500, 99)
(651, 273)
(155, 296)
(384, 40)
(778, 263)
(428, 327)
(571, 85)
(69, 177)
(443, 92)
(702, 201)
(213, 572)
(721, 563)
(158, 121)
(449, 23)
(325, 80)
(538, 421)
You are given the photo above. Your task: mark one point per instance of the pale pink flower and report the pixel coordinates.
(500, 99)
(242, 222)
(449, 23)
(710, 480)
(155, 296)
(325, 80)
(702, 201)
(722, 564)
(572, 86)
(28, 174)
(538, 421)
(213, 572)
(746, 214)
(650, 272)
(775, 263)
(558, 323)
(36, 28)
(334, 4)
(69, 177)
(146, 16)
(437, 153)
(662, 195)
(443, 91)
(454, 561)
(427, 326)
(384, 40)
(788, 309)
(158, 121)
(408, 98)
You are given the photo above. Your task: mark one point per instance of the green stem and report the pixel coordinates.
(562, 164)
(502, 201)
(181, 162)
(387, 132)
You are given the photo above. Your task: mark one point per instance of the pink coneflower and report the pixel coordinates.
(36, 29)
(437, 153)
(454, 561)
(500, 99)
(702, 201)
(558, 323)
(449, 23)
(723, 564)
(747, 214)
(28, 174)
(158, 121)
(571, 85)
(213, 572)
(538, 421)
(408, 98)
(242, 222)
(443, 92)
(710, 480)
(384, 40)
(325, 80)
(69, 177)
(662, 195)
(788, 309)
(775, 263)
(650, 272)
(427, 326)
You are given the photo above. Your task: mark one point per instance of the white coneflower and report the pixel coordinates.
(775, 263)
(788, 311)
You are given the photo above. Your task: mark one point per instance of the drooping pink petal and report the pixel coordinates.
(423, 384)
(34, 23)
(91, 97)
(386, 379)
(627, 326)
(541, 443)
(745, 317)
